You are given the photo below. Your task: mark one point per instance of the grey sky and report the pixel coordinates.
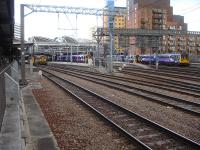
(52, 25)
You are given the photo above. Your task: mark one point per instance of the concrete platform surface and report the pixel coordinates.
(37, 132)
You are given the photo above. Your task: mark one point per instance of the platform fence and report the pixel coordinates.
(4, 69)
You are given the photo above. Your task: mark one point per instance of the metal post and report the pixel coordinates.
(67, 53)
(111, 23)
(77, 49)
(71, 55)
(98, 50)
(157, 58)
(111, 52)
(98, 58)
(149, 45)
(23, 76)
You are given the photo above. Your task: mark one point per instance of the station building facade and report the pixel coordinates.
(64, 45)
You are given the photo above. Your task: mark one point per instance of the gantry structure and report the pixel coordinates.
(57, 9)
(72, 10)
(155, 34)
(105, 12)
(143, 34)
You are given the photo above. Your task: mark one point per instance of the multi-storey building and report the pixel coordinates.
(158, 15)
(120, 42)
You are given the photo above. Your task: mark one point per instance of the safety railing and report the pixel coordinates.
(3, 70)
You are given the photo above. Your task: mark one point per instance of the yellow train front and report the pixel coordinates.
(39, 60)
(184, 59)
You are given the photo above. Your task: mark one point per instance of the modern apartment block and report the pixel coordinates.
(158, 15)
(120, 42)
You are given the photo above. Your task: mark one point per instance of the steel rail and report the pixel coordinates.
(187, 91)
(162, 69)
(154, 72)
(162, 79)
(184, 105)
(146, 133)
(176, 69)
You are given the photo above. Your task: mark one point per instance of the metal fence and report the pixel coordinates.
(7, 69)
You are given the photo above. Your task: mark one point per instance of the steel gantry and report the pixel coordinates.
(58, 9)
(152, 38)
(142, 32)
(73, 10)
(99, 32)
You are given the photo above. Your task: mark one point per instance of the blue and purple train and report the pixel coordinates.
(166, 59)
(67, 58)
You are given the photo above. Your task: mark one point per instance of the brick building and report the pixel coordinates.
(158, 15)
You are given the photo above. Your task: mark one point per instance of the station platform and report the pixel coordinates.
(68, 63)
(117, 66)
(38, 133)
(24, 126)
(100, 69)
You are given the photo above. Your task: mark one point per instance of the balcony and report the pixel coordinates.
(159, 16)
(198, 44)
(191, 38)
(171, 43)
(171, 38)
(191, 43)
(160, 11)
(181, 39)
(158, 21)
(191, 48)
(171, 48)
(181, 43)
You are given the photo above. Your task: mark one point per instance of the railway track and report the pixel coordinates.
(184, 105)
(188, 71)
(184, 69)
(157, 78)
(145, 133)
(184, 76)
(162, 83)
(180, 88)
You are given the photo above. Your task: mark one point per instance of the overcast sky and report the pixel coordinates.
(52, 25)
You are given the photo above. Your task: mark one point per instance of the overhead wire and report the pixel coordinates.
(191, 7)
(191, 10)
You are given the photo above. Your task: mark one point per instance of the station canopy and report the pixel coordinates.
(61, 44)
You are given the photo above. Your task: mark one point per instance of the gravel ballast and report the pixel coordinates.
(74, 126)
(176, 120)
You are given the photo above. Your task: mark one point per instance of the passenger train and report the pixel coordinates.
(67, 58)
(166, 59)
